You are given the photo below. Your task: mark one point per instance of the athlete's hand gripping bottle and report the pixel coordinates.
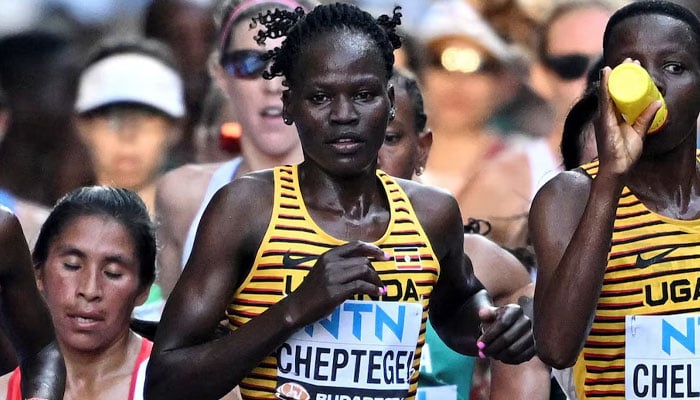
(632, 90)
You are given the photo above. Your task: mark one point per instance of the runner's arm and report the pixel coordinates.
(25, 317)
(571, 224)
(186, 362)
(459, 304)
(175, 207)
(507, 281)
(529, 380)
(501, 273)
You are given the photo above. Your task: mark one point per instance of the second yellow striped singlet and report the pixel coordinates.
(653, 270)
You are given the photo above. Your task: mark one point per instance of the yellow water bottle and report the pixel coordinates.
(632, 90)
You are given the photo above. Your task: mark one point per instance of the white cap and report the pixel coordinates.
(445, 18)
(131, 78)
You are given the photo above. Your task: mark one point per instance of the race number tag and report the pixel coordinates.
(364, 349)
(661, 357)
(437, 393)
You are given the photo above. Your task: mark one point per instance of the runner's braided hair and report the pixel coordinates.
(299, 29)
(474, 226)
(406, 80)
(244, 10)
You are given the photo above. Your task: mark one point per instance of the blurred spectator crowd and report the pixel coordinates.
(498, 77)
(44, 45)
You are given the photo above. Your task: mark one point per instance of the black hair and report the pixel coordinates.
(119, 45)
(575, 124)
(579, 118)
(558, 12)
(123, 205)
(474, 226)
(651, 7)
(29, 53)
(227, 7)
(692, 5)
(414, 50)
(159, 12)
(406, 80)
(299, 29)
(39, 72)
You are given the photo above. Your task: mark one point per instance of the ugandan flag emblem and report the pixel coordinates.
(407, 258)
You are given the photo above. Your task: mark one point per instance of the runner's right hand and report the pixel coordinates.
(338, 274)
(619, 142)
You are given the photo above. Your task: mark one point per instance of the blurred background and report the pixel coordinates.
(514, 19)
(498, 79)
(43, 44)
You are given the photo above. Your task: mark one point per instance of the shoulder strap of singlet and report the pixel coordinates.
(223, 175)
(590, 169)
(543, 165)
(401, 206)
(8, 200)
(14, 388)
(138, 376)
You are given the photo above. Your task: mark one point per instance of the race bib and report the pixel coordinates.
(437, 393)
(661, 357)
(363, 350)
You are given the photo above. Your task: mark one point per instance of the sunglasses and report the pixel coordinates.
(570, 66)
(244, 64)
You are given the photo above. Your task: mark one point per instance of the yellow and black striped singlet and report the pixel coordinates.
(290, 248)
(653, 269)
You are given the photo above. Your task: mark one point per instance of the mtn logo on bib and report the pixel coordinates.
(292, 391)
(407, 258)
